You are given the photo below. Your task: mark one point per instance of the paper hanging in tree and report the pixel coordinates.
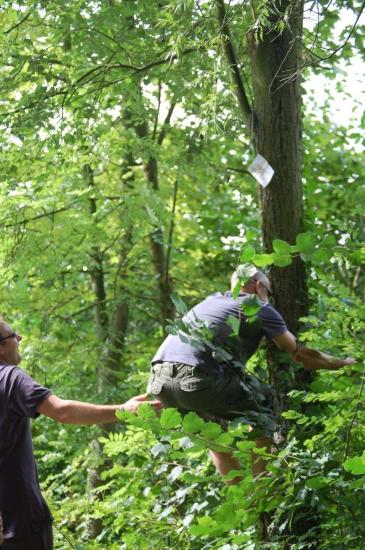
(261, 170)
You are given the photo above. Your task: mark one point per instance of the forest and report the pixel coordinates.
(128, 132)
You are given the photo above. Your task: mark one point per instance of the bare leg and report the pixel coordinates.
(224, 463)
(259, 463)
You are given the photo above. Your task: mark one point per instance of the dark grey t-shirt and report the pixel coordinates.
(21, 504)
(215, 310)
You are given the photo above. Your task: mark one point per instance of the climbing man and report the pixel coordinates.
(201, 366)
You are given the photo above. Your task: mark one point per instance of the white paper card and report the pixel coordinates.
(261, 170)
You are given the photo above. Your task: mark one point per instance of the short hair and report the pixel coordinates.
(246, 273)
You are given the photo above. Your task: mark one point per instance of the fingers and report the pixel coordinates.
(141, 397)
(155, 404)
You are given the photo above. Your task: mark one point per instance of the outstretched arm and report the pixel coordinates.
(311, 359)
(79, 412)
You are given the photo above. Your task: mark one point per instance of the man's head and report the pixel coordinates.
(9, 344)
(252, 281)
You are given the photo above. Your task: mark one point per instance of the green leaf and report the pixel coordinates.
(170, 418)
(245, 446)
(247, 254)
(321, 255)
(179, 304)
(204, 527)
(192, 423)
(234, 323)
(355, 465)
(251, 305)
(282, 260)
(146, 412)
(291, 415)
(262, 260)
(225, 439)
(305, 242)
(281, 247)
(236, 290)
(317, 482)
(211, 430)
(69, 138)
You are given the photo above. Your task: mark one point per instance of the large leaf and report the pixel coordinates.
(305, 242)
(355, 465)
(247, 254)
(179, 304)
(282, 260)
(192, 423)
(234, 323)
(281, 247)
(170, 418)
(251, 305)
(262, 260)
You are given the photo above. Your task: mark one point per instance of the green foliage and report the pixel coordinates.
(251, 305)
(80, 84)
(355, 465)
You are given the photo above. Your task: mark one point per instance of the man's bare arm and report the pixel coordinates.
(311, 359)
(77, 412)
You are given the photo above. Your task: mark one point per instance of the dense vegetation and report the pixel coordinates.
(124, 177)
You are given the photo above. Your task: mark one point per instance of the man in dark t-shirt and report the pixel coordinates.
(200, 367)
(25, 519)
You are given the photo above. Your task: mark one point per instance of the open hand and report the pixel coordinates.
(132, 404)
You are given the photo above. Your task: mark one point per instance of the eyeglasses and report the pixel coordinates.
(12, 335)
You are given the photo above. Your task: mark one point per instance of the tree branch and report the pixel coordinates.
(334, 52)
(166, 123)
(157, 110)
(134, 68)
(233, 64)
(39, 216)
(171, 231)
(18, 24)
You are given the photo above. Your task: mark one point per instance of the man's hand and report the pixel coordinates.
(78, 412)
(313, 359)
(132, 404)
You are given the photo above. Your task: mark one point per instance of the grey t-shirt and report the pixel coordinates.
(22, 506)
(215, 311)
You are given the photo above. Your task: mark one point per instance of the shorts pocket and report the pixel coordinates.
(154, 385)
(195, 384)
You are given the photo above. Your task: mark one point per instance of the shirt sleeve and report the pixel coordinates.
(24, 394)
(272, 323)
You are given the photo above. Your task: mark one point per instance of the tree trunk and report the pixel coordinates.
(275, 62)
(275, 122)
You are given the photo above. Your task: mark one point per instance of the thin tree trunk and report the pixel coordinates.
(98, 286)
(94, 526)
(156, 237)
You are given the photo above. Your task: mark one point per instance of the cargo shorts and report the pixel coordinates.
(217, 397)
